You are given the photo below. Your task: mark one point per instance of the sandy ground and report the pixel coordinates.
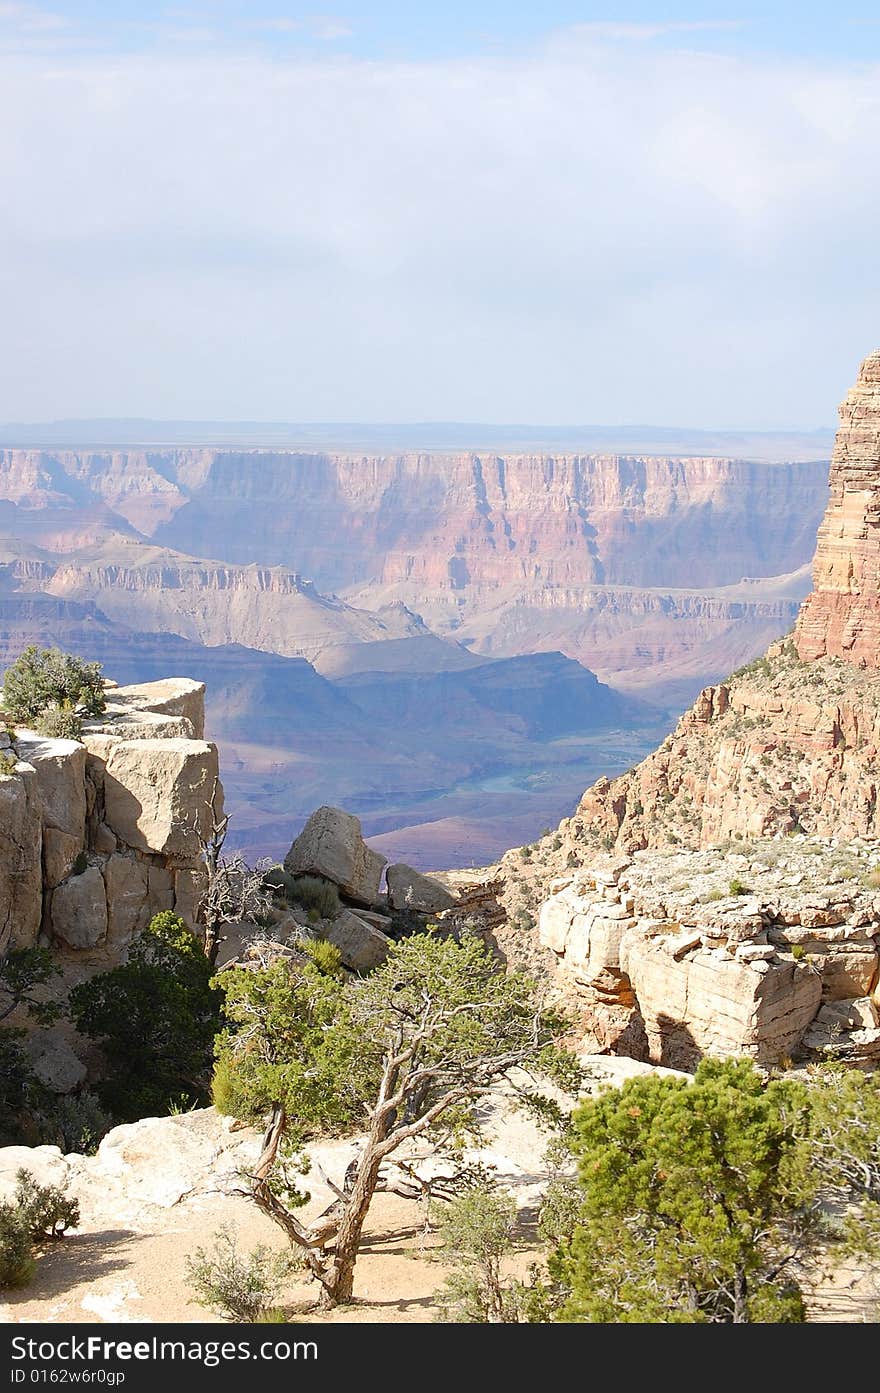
(140, 1222)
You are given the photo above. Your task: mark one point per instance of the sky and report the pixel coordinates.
(461, 211)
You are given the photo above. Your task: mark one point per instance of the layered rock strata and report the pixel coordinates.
(768, 952)
(842, 615)
(98, 835)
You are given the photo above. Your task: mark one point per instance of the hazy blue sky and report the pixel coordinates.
(470, 210)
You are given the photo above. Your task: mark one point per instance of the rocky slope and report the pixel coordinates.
(788, 748)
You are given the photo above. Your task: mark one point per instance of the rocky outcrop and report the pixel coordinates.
(842, 616)
(98, 835)
(362, 945)
(768, 952)
(409, 889)
(331, 845)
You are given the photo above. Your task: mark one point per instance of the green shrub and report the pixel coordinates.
(44, 679)
(280, 880)
(156, 1017)
(17, 1264)
(59, 724)
(224, 1090)
(324, 954)
(738, 887)
(238, 1287)
(523, 920)
(313, 892)
(477, 1230)
(77, 1122)
(8, 762)
(37, 1214)
(798, 951)
(18, 1087)
(47, 1211)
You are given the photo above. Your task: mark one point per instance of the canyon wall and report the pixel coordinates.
(448, 522)
(786, 749)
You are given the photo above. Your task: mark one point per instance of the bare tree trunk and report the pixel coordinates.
(339, 1286)
(740, 1309)
(297, 1235)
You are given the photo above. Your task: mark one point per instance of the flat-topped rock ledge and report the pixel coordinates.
(98, 835)
(769, 950)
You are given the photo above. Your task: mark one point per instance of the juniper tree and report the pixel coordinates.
(405, 1055)
(699, 1201)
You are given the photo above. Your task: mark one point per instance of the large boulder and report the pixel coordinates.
(79, 910)
(21, 877)
(362, 946)
(331, 845)
(409, 889)
(128, 898)
(157, 794)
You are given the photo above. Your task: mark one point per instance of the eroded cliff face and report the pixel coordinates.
(788, 749)
(791, 742)
(624, 563)
(98, 836)
(842, 615)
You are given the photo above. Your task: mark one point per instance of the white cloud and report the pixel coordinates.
(615, 31)
(589, 233)
(330, 29)
(29, 19)
(280, 25)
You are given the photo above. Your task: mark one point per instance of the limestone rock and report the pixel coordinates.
(21, 877)
(157, 793)
(45, 1163)
(408, 889)
(128, 899)
(331, 845)
(129, 1154)
(60, 767)
(54, 1062)
(79, 910)
(188, 889)
(171, 696)
(708, 971)
(105, 841)
(362, 946)
(60, 851)
(709, 1004)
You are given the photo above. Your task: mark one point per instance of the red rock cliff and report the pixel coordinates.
(841, 618)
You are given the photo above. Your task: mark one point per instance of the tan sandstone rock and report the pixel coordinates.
(157, 793)
(409, 889)
(362, 946)
(79, 910)
(171, 696)
(331, 845)
(21, 877)
(842, 615)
